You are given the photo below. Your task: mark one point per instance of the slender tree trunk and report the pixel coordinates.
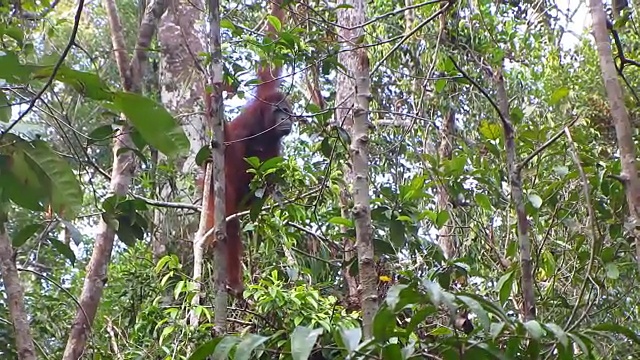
(620, 118)
(15, 295)
(445, 238)
(215, 113)
(122, 173)
(357, 63)
(344, 106)
(515, 181)
(362, 209)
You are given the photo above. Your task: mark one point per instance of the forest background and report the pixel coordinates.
(495, 142)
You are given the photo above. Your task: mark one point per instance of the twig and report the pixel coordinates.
(72, 39)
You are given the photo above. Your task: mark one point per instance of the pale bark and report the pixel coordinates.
(620, 118)
(15, 296)
(445, 237)
(122, 173)
(348, 33)
(215, 114)
(359, 151)
(517, 195)
(181, 90)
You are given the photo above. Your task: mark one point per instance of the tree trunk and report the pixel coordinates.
(620, 118)
(122, 173)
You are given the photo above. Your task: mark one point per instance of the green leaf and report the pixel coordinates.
(326, 148)
(5, 108)
(154, 122)
(87, 84)
(275, 22)
(612, 271)
(205, 350)
(533, 327)
(13, 32)
(99, 134)
(477, 308)
(383, 324)
(440, 84)
(224, 347)
(247, 345)
(484, 201)
(392, 351)
(337, 220)
(66, 194)
(63, 249)
(505, 285)
(302, 341)
(11, 70)
(558, 95)
(397, 233)
(271, 163)
(350, 338)
(490, 130)
(227, 24)
(25, 233)
(561, 170)
(535, 200)
(559, 333)
(442, 218)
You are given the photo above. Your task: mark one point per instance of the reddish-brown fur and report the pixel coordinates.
(255, 132)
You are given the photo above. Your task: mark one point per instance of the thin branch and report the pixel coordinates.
(65, 52)
(547, 143)
(408, 35)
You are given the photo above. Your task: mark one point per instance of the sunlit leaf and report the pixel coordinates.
(154, 122)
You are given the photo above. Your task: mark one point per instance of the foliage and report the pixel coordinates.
(54, 160)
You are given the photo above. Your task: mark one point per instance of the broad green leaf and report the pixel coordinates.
(489, 130)
(13, 32)
(505, 285)
(558, 95)
(612, 271)
(25, 233)
(302, 341)
(11, 70)
(496, 329)
(559, 333)
(271, 163)
(5, 108)
(337, 220)
(275, 22)
(561, 170)
(441, 331)
(392, 351)
(393, 295)
(154, 122)
(440, 84)
(227, 24)
(249, 343)
(224, 347)
(397, 233)
(66, 194)
(102, 133)
(477, 308)
(484, 201)
(64, 250)
(535, 200)
(85, 83)
(350, 338)
(535, 329)
(383, 324)
(205, 350)
(442, 218)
